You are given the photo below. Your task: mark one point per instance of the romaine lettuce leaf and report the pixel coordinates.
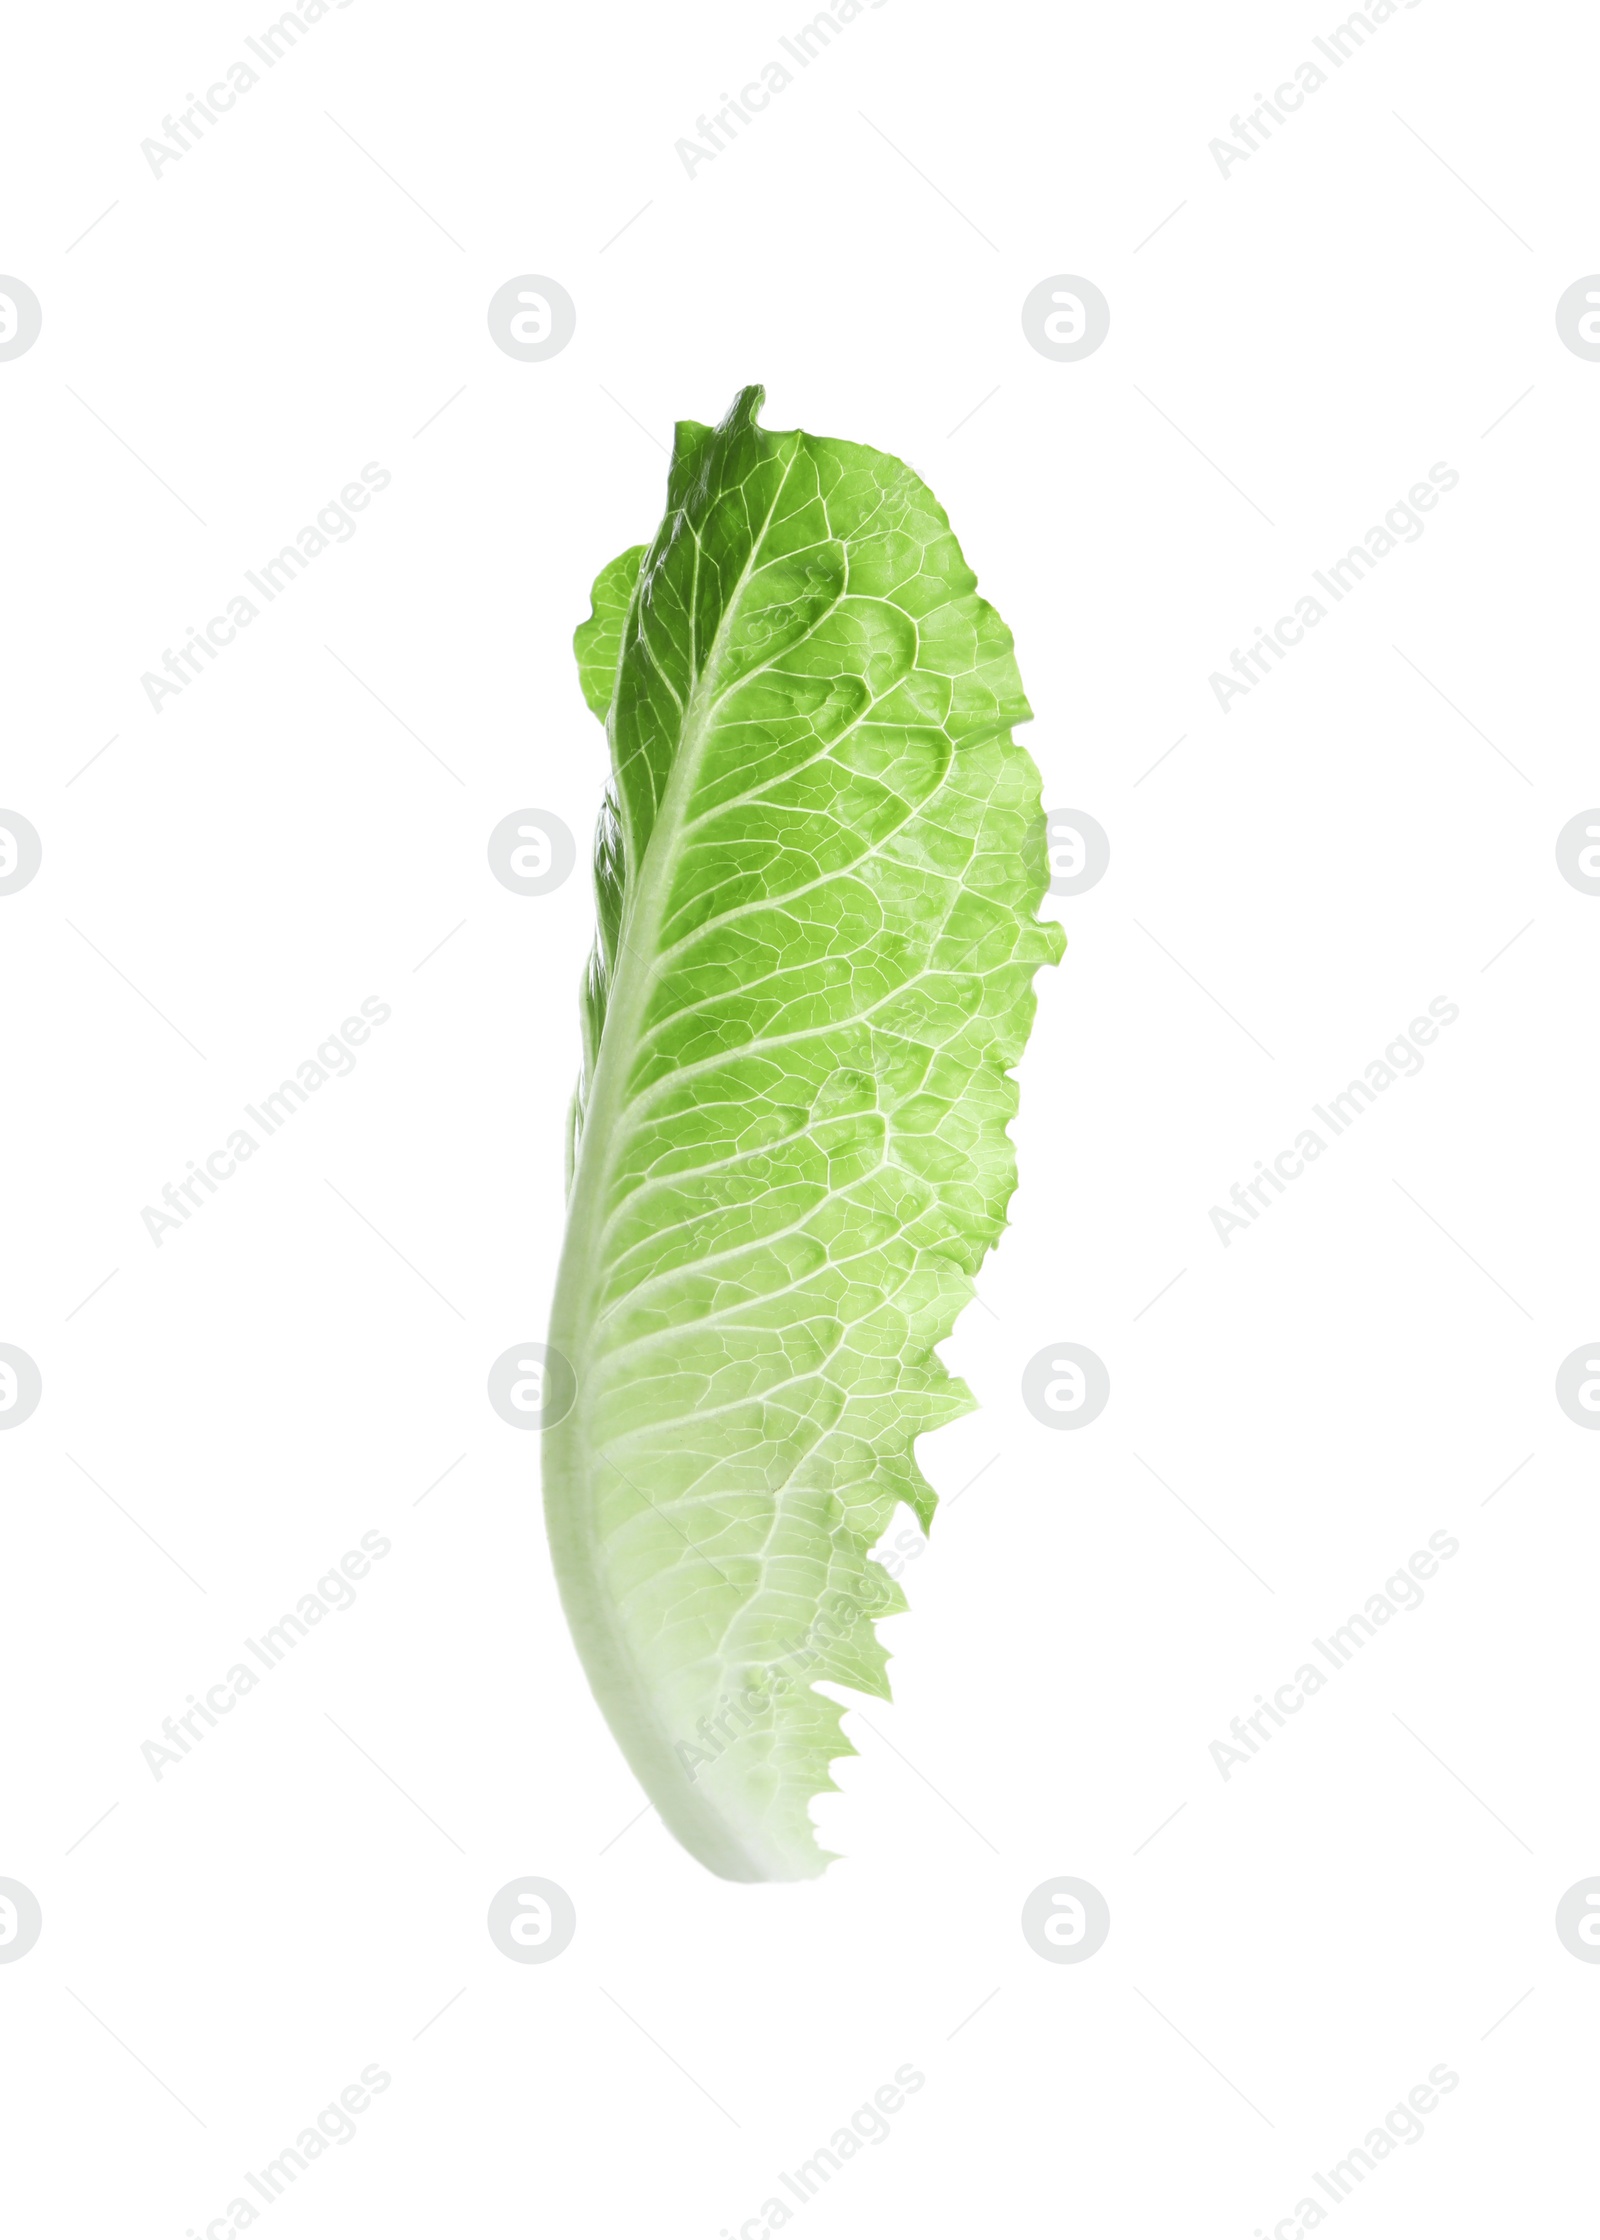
(817, 872)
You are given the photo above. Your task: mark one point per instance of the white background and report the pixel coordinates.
(306, 1891)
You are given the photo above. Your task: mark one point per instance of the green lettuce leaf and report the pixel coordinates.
(817, 872)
